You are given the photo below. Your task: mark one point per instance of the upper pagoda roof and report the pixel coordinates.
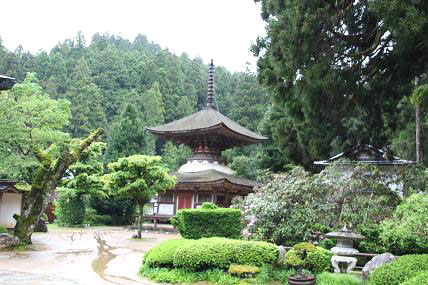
(6, 82)
(208, 121)
(368, 154)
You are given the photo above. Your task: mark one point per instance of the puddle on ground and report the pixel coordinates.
(99, 265)
(105, 255)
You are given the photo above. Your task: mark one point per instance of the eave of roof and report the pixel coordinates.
(6, 82)
(366, 147)
(213, 176)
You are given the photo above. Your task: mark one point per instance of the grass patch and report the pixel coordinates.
(267, 275)
(327, 278)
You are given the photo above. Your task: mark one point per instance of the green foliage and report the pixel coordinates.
(350, 58)
(208, 222)
(84, 181)
(328, 243)
(326, 278)
(267, 275)
(162, 255)
(221, 252)
(93, 219)
(70, 211)
(308, 256)
(209, 206)
(138, 177)
(372, 243)
(175, 156)
(407, 231)
(400, 270)
(121, 210)
(126, 136)
(29, 118)
(420, 278)
(3, 230)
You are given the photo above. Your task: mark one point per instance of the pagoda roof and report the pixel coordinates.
(6, 82)
(208, 120)
(212, 176)
(368, 154)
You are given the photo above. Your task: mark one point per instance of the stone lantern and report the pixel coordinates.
(343, 261)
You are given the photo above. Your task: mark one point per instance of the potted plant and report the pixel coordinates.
(301, 277)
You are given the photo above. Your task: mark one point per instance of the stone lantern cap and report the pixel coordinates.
(344, 233)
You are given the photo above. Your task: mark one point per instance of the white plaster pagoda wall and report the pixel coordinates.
(201, 165)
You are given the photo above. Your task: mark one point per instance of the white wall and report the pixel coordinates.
(166, 209)
(10, 205)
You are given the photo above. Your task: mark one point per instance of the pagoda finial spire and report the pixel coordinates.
(210, 99)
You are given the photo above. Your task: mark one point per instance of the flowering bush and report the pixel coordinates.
(292, 205)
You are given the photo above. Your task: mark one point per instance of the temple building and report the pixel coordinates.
(205, 177)
(389, 165)
(6, 82)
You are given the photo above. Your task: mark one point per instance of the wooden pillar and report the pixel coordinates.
(174, 198)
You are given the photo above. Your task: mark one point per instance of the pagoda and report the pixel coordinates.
(205, 177)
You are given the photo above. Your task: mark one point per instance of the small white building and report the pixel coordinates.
(11, 202)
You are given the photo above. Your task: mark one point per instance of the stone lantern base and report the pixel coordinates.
(343, 264)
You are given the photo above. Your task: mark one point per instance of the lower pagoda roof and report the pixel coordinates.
(212, 176)
(206, 121)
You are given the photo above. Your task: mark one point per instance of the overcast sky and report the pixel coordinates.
(218, 29)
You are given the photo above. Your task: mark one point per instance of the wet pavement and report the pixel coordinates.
(104, 255)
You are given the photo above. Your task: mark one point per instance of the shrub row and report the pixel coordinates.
(199, 223)
(402, 269)
(420, 278)
(210, 253)
(310, 257)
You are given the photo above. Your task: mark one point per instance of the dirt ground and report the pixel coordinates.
(80, 256)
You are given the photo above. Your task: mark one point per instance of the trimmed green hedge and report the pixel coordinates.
(317, 259)
(210, 253)
(420, 278)
(162, 255)
(402, 269)
(200, 223)
(3, 230)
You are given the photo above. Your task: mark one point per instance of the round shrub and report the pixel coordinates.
(310, 257)
(3, 230)
(209, 205)
(402, 269)
(421, 278)
(221, 253)
(162, 255)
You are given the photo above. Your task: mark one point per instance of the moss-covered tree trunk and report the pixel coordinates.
(45, 181)
(140, 219)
